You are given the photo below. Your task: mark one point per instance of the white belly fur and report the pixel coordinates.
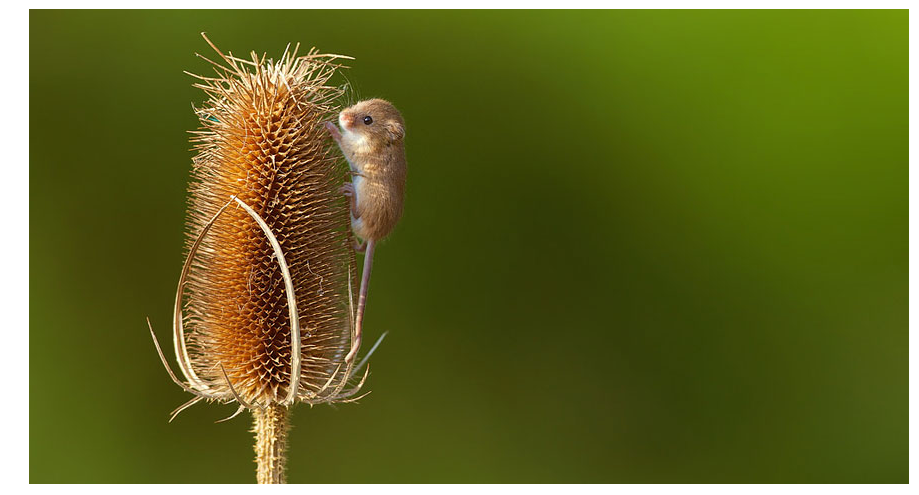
(357, 224)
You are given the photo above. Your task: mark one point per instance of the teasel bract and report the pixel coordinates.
(263, 310)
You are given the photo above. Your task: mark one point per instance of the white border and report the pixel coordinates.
(15, 202)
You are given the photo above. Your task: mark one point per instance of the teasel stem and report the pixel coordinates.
(271, 426)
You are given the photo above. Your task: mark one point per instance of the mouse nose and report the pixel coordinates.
(346, 120)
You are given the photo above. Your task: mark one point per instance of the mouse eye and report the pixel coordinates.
(368, 120)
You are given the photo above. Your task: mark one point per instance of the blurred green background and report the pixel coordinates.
(638, 246)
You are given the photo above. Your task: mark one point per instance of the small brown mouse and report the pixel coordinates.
(372, 140)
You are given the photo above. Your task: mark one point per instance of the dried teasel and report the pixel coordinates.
(264, 307)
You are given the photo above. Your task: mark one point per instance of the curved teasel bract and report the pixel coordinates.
(269, 239)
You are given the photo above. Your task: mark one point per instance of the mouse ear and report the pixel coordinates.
(396, 130)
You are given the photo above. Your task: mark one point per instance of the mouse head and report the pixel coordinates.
(375, 120)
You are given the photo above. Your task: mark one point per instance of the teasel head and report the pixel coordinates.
(263, 309)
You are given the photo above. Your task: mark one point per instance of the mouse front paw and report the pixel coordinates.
(330, 127)
(347, 189)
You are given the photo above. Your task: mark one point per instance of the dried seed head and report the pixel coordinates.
(262, 141)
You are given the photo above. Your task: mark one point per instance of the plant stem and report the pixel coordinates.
(271, 425)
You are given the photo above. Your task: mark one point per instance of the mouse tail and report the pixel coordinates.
(362, 301)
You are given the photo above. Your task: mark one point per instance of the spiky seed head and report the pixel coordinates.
(261, 140)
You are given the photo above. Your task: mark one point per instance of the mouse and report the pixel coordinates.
(372, 139)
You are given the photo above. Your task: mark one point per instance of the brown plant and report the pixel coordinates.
(268, 284)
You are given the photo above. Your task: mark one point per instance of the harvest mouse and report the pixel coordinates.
(371, 138)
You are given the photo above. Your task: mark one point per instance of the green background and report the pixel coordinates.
(638, 246)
